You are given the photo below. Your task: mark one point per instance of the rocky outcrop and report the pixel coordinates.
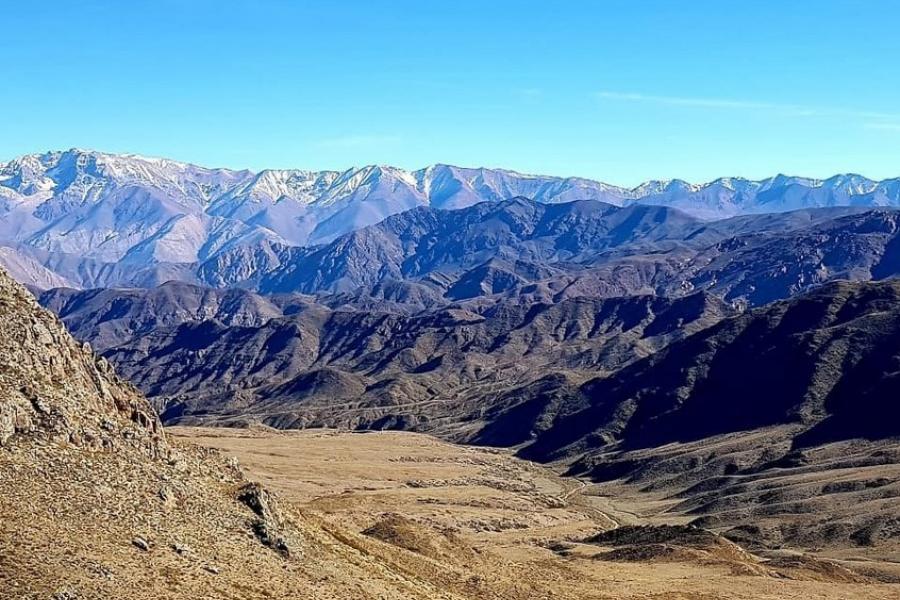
(54, 387)
(269, 524)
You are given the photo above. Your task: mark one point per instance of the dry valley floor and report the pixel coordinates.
(478, 523)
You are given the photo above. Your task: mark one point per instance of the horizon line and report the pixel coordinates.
(817, 181)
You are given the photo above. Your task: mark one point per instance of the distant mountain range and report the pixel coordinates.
(87, 219)
(494, 252)
(586, 248)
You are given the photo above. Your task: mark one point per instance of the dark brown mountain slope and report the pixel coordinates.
(108, 317)
(424, 241)
(828, 361)
(441, 369)
(782, 423)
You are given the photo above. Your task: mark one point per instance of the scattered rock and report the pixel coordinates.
(181, 549)
(141, 544)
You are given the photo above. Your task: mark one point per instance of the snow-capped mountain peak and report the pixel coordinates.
(107, 208)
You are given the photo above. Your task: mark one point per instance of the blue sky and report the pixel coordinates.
(616, 90)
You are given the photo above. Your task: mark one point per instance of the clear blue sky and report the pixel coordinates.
(619, 90)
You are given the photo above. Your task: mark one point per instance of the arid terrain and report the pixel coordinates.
(776, 492)
(711, 408)
(481, 523)
(361, 300)
(97, 501)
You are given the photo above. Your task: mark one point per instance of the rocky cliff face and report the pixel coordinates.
(52, 386)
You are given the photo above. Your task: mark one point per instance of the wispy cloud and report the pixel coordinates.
(359, 141)
(795, 110)
(530, 93)
(684, 101)
(884, 126)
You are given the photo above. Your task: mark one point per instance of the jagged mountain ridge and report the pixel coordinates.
(129, 208)
(424, 243)
(94, 218)
(521, 248)
(520, 251)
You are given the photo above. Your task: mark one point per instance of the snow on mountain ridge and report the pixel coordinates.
(155, 170)
(113, 207)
